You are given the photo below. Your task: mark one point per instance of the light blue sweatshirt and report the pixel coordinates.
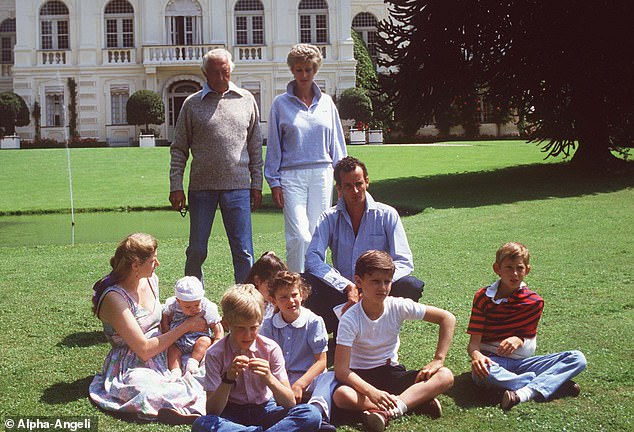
(300, 136)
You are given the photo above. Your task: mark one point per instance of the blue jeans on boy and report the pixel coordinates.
(256, 418)
(543, 374)
(235, 206)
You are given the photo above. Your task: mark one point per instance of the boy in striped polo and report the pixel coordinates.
(503, 329)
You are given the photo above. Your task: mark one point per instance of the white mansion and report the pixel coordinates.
(112, 48)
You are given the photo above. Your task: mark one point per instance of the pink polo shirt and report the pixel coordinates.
(249, 387)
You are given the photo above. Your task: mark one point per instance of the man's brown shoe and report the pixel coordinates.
(432, 408)
(509, 400)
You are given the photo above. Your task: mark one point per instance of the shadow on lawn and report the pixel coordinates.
(466, 394)
(65, 392)
(83, 339)
(411, 195)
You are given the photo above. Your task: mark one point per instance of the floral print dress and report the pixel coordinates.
(128, 384)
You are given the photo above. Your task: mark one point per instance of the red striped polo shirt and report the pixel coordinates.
(518, 316)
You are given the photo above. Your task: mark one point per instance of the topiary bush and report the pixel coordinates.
(354, 103)
(13, 112)
(145, 107)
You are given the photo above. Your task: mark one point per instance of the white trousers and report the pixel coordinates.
(307, 194)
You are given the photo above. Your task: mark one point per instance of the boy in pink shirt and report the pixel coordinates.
(246, 382)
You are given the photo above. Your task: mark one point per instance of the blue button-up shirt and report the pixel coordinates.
(300, 340)
(380, 229)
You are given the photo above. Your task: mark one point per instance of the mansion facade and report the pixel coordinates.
(112, 48)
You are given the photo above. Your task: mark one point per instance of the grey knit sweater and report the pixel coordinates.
(222, 132)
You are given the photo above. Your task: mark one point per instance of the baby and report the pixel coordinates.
(189, 300)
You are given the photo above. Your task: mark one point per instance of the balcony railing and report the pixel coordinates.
(119, 56)
(248, 53)
(175, 54)
(52, 57)
(7, 70)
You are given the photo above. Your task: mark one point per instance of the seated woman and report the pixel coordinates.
(135, 378)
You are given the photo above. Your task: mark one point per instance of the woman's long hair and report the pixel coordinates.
(135, 248)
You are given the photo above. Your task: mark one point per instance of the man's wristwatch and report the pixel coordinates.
(227, 380)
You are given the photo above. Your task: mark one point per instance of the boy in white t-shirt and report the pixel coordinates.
(366, 357)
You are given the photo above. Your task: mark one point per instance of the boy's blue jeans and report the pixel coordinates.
(543, 374)
(256, 418)
(235, 206)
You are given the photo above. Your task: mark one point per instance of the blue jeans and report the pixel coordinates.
(235, 206)
(255, 418)
(543, 374)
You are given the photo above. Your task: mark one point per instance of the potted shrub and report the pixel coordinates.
(354, 103)
(145, 107)
(13, 112)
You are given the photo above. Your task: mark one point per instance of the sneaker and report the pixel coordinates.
(567, 389)
(376, 420)
(509, 400)
(432, 408)
(176, 416)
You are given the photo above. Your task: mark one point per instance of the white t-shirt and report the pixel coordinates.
(375, 342)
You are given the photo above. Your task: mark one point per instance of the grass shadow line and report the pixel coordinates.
(411, 195)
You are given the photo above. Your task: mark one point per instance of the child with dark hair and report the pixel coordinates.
(263, 270)
(304, 341)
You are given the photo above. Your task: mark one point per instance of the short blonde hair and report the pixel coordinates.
(512, 250)
(302, 53)
(242, 302)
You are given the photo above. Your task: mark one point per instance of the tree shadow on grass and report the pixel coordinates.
(466, 394)
(83, 339)
(411, 195)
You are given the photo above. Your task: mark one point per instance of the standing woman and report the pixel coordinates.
(135, 378)
(305, 141)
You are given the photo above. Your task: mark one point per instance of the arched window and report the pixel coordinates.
(7, 40)
(119, 20)
(54, 26)
(313, 21)
(365, 26)
(249, 22)
(183, 22)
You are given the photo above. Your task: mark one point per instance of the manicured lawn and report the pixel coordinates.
(463, 203)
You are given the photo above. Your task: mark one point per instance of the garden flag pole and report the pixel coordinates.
(70, 172)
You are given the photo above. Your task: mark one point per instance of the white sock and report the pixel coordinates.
(401, 408)
(525, 394)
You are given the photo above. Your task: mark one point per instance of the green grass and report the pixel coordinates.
(463, 203)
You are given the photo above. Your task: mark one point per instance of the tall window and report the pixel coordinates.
(54, 106)
(249, 22)
(7, 40)
(313, 21)
(183, 22)
(365, 26)
(54, 26)
(118, 101)
(119, 16)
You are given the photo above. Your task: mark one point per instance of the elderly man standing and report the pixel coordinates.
(220, 126)
(355, 225)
